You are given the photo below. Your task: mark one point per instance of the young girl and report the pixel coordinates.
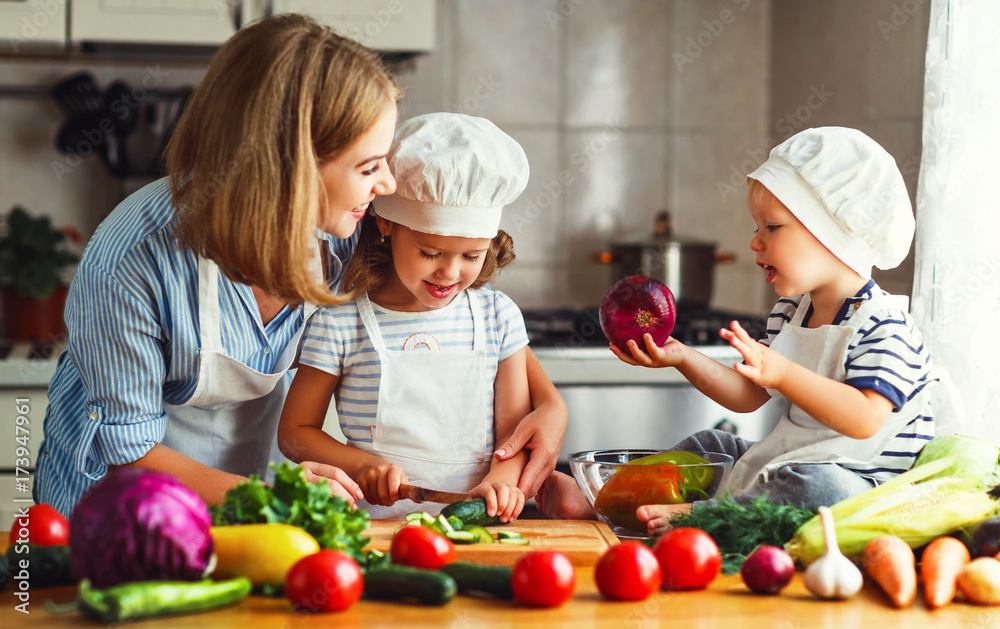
(428, 368)
(828, 204)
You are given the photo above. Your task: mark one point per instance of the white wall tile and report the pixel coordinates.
(507, 60)
(534, 220)
(617, 63)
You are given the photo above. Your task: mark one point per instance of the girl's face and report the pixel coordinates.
(430, 270)
(794, 260)
(356, 176)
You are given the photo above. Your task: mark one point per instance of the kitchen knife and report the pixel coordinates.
(419, 494)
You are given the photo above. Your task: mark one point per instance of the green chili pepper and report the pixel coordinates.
(143, 599)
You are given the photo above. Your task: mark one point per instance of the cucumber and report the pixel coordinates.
(391, 583)
(470, 577)
(462, 537)
(502, 535)
(513, 540)
(444, 525)
(456, 523)
(471, 512)
(483, 536)
(414, 516)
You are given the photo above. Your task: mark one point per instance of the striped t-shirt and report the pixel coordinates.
(132, 316)
(887, 355)
(337, 343)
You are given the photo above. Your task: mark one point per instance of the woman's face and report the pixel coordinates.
(352, 180)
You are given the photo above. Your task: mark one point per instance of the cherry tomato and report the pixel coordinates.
(327, 581)
(420, 547)
(628, 572)
(689, 559)
(543, 578)
(42, 525)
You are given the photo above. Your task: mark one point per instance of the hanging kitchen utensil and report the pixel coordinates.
(78, 94)
(174, 109)
(122, 111)
(685, 265)
(83, 135)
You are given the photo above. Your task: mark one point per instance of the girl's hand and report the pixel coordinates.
(340, 483)
(541, 432)
(380, 482)
(762, 365)
(670, 355)
(502, 499)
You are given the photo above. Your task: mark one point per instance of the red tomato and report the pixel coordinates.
(328, 581)
(43, 526)
(420, 547)
(689, 559)
(543, 578)
(628, 572)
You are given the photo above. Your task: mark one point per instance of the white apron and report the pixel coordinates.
(797, 437)
(230, 422)
(431, 417)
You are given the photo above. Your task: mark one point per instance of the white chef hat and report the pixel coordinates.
(847, 191)
(454, 174)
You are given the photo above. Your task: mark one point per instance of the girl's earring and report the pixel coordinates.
(381, 238)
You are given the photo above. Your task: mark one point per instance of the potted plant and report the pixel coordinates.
(34, 256)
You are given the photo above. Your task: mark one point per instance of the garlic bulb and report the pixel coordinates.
(832, 576)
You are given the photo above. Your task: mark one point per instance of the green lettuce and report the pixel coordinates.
(978, 459)
(294, 500)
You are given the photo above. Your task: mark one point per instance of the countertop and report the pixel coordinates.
(725, 604)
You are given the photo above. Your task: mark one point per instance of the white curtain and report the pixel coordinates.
(956, 288)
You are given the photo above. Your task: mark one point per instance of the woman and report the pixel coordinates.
(187, 308)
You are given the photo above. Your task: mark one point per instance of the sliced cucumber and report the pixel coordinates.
(456, 523)
(426, 519)
(462, 537)
(514, 540)
(444, 525)
(483, 536)
(416, 515)
(501, 535)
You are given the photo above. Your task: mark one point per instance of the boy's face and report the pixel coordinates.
(794, 260)
(430, 269)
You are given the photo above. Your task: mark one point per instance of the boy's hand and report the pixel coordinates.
(670, 355)
(762, 365)
(502, 499)
(380, 481)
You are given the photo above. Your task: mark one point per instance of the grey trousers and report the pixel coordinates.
(804, 485)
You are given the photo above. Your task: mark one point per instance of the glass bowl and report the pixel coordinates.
(640, 484)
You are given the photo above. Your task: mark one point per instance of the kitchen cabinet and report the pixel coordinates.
(21, 414)
(27, 24)
(186, 22)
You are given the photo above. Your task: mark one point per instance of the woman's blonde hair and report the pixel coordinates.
(281, 97)
(371, 264)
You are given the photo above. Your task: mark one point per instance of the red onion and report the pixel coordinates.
(634, 306)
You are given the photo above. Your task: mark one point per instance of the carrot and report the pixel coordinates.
(940, 565)
(890, 561)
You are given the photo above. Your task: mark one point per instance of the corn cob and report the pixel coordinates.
(915, 511)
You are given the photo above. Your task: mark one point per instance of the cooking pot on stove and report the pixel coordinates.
(686, 266)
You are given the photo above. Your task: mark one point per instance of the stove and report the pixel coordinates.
(570, 328)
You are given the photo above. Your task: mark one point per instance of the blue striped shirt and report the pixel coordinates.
(336, 342)
(132, 316)
(887, 355)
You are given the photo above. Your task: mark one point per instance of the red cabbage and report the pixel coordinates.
(634, 306)
(140, 525)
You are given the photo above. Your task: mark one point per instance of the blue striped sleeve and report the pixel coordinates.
(510, 326)
(887, 356)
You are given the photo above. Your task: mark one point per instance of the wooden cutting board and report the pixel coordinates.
(583, 541)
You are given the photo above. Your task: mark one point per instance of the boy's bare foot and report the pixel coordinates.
(657, 517)
(560, 498)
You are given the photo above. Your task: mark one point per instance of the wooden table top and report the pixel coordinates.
(726, 604)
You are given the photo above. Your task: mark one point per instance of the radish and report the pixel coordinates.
(767, 570)
(634, 306)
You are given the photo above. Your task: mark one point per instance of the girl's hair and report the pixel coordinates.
(371, 264)
(280, 98)
(758, 194)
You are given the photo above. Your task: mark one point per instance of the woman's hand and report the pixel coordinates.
(761, 365)
(340, 483)
(380, 481)
(502, 499)
(541, 431)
